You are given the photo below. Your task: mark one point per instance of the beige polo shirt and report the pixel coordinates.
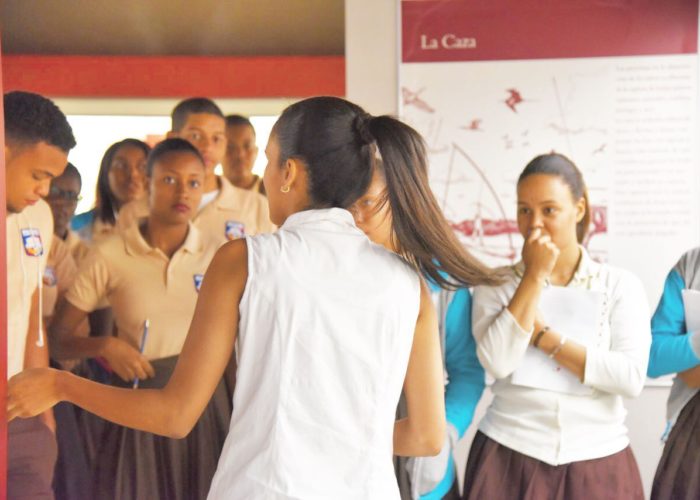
(99, 231)
(58, 275)
(234, 213)
(78, 248)
(28, 239)
(140, 283)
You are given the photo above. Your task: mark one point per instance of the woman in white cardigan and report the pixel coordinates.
(556, 426)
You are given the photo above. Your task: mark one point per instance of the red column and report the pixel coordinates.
(3, 307)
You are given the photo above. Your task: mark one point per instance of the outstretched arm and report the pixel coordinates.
(173, 410)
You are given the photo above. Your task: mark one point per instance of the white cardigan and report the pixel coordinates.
(553, 427)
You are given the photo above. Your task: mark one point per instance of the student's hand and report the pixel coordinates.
(32, 392)
(539, 255)
(691, 377)
(128, 363)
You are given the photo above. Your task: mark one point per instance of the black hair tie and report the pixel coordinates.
(361, 125)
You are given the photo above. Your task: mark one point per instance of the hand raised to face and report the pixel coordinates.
(539, 254)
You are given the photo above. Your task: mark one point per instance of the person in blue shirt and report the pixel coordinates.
(433, 478)
(675, 350)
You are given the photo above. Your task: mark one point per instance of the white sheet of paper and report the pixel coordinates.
(574, 313)
(691, 306)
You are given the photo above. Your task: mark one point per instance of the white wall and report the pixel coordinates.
(371, 54)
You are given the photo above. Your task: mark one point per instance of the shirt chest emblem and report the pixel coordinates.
(234, 229)
(198, 281)
(31, 240)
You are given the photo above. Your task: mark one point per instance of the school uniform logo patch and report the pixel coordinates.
(31, 239)
(198, 281)
(234, 229)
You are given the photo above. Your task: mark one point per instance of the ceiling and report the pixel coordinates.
(173, 27)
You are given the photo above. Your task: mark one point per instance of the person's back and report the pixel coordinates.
(326, 328)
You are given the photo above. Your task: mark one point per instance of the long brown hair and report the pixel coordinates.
(421, 233)
(338, 141)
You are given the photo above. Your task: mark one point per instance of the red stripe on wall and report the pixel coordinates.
(141, 76)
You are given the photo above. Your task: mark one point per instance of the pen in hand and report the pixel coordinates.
(144, 336)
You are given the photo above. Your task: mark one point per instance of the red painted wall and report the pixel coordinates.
(141, 76)
(3, 308)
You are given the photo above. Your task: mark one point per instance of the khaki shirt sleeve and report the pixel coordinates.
(63, 270)
(46, 230)
(64, 267)
(92, 283)
(80, 252)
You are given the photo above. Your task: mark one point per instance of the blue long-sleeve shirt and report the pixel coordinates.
(465, 375)
(673, 348)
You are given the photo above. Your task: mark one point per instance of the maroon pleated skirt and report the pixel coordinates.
(495, 471)
(140, 465)
(678, 473)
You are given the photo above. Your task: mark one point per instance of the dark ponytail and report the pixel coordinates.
(422, 235)
(325, 133)
(560, 166)
(341, 145)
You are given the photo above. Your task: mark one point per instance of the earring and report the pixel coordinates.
(284, 189)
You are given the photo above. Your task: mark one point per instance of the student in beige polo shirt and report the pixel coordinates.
(66, 247)
(241, 153)
(63, 198)
(150, 274)
(72, 473)
(225, 210)
(37, 140)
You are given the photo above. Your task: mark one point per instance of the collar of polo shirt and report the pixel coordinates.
(135, 243)
(226, 198)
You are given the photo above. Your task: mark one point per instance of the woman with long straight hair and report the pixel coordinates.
(431, 478)
(121, 179)
(565, 338)
(329, 326)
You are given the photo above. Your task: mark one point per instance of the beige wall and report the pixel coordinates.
(371, 66)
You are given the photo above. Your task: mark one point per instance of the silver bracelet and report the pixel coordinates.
(558, 348)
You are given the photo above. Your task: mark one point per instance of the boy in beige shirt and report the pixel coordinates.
(37, 140)
(241, 153)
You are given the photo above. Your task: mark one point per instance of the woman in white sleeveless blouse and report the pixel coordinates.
(330, 326)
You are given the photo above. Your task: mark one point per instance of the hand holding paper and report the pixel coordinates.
(575, 313)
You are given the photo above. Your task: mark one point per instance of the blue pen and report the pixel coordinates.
(146, 325)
